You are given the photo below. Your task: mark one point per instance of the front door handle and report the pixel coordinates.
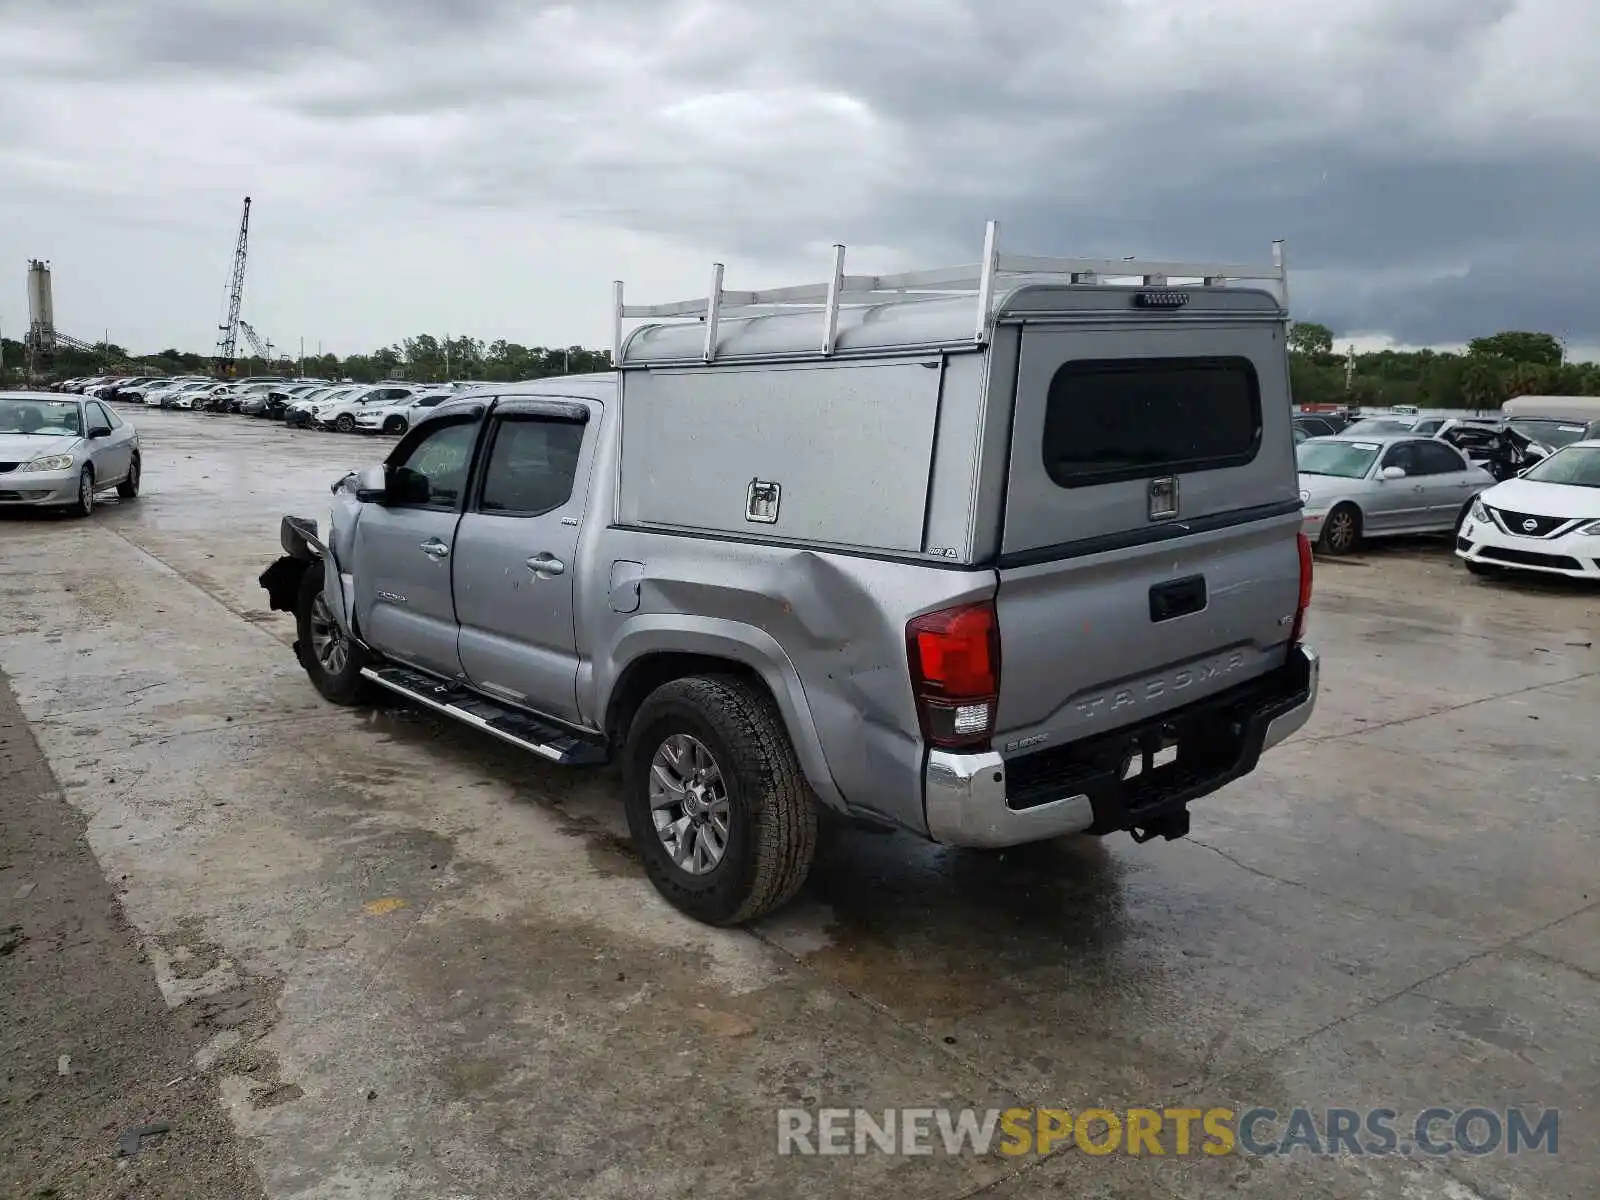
(434, 548)
(546, 564)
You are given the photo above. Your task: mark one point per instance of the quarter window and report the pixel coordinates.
(1113, 419)
(532, 466)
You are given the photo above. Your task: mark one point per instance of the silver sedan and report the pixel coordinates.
(60, 451)
(1354, 487)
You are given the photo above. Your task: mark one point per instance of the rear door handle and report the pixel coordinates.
(434, 548)
(546, 564)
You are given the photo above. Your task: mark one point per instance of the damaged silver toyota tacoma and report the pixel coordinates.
(990, 554)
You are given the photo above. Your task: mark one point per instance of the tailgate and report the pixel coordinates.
(1149, 556)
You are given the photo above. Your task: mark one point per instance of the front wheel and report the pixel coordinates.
(129, 487)
(1478, 568)
(84, 505)
(1341, 532)
(717, 805)
(345, 423)
(330, 658)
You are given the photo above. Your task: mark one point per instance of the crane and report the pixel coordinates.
(224, 363)
(263, 350)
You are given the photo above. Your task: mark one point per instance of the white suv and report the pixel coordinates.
(340, 413)
(395, 419)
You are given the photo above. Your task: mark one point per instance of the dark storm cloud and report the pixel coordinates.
(1432, 163)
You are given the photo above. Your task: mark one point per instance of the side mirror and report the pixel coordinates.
(372, 485)
(99, 431)
(1392, 473)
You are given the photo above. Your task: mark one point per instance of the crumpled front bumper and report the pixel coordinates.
(986, 801)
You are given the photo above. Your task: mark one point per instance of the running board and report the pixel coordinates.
(522, 730)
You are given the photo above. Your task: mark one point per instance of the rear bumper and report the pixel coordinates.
(981, 800)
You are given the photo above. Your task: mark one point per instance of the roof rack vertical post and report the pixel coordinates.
(616, 324)
(830, 329)
(1280, 263)
(713, 311)
(991, 254)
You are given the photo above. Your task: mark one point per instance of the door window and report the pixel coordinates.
(431, 472)
(101, 415)
(1436, 458)
(1404, 456)
(532, 466)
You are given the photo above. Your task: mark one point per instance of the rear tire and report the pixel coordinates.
(718, 745)
(128, 489)
(330, 658)
(1341, 532)
(395, 426)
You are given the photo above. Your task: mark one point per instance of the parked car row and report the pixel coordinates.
(384, 408)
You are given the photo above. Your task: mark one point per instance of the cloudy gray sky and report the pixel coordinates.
(488, 166)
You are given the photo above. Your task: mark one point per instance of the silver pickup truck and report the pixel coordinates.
(990, 554)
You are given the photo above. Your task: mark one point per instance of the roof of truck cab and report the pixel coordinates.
(937, 322)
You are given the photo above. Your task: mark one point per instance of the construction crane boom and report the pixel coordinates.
(229, 340)
(263, 350)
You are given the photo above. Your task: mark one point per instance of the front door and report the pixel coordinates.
(404, 602)
(1401, 504)
(515, 556)
(113, 455)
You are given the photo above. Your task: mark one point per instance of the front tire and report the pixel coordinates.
(1480, 569)
(717, 805)
(128, 489)
(330, 658)
(345, 423)
(84, 506)
(1341, 532)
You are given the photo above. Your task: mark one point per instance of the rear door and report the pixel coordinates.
(1451, 479)
(1149, 555)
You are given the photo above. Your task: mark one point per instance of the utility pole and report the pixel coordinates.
(302, 356)
(1350, 368)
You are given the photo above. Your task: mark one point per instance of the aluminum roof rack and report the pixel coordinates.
(982, 280)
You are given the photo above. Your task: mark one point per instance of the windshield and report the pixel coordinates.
(47, 418)
(1379, 425)
(1554, 434)
(1346, 460)
(1575, 466)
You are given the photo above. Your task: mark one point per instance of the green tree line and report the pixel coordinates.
(1491, 370)
(425, 359)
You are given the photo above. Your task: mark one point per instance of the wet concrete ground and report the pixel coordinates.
(453, 980)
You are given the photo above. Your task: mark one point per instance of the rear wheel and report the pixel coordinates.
(129, 487)
(717, 804)
(395, 425)
(1341, 532)
(330, 658)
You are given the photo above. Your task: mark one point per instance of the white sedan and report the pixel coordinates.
(1546, 520)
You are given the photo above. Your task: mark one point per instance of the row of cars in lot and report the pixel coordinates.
(389, 407)
(1517, 492)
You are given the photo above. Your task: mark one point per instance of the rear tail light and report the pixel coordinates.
(955, 674)
(1305, 592)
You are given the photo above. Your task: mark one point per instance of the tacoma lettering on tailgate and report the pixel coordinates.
(1147, 690)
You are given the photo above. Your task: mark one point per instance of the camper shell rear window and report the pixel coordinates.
(1114, 419)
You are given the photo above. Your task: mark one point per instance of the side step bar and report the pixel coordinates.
(510, 725)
